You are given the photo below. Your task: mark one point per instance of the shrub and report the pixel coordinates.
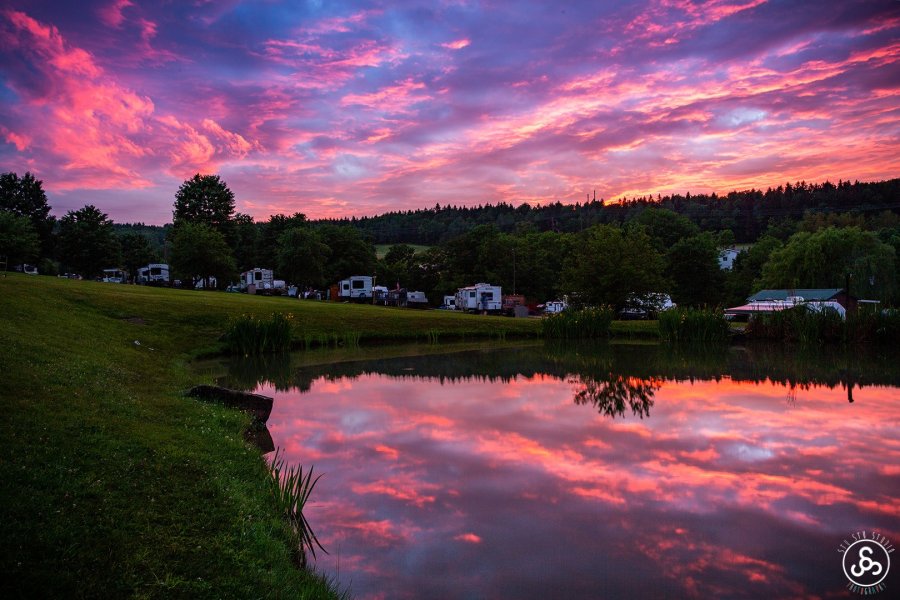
(249, 335)
(583, 323)
(693, 325)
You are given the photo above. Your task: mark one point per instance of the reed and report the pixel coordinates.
(249, 335)
(291, 487)
(809, 327)
(575, 324)
(693, 326)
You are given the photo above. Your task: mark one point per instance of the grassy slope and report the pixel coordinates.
(115, 485)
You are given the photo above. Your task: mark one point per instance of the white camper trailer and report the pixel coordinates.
(449, 303)
(154, 274)
(262, 281)
(114, 276)
(481, 297)
(416, 300)
(555, 307)
(357, 287)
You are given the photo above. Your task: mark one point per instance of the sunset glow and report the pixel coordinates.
(360, 108)
(517, 485)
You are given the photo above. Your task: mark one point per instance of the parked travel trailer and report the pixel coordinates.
(27, 269)
(416, 300)
(357, 288)
(555, 307)
(449, 303)
(481, 297)
(114, 276)
(154, 274)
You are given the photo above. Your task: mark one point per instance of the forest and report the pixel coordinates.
(793, 236)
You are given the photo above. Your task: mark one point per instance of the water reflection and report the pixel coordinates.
(613, 393)
(503, 475)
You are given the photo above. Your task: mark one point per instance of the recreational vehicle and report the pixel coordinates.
(261, 281)
(555, 307)
(154, 274)
(114, 276)
(481, 297)
(357, 288)
(27, 269)
(416, 300)
(449, 303)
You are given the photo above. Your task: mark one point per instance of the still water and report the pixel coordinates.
(607, 472)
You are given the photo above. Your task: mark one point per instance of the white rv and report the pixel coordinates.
(416, 300)
(555, 307)
(357, 287)
(481, 297)
(262, 281)
(114, 276)
(449, 303)
(154, 274)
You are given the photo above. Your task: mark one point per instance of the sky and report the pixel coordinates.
(338, 109)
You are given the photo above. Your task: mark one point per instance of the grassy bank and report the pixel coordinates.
(115, 485)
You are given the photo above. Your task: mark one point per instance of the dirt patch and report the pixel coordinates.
(135, 320)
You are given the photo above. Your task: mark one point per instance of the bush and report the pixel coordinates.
(693, 325)
(809, 327)
(583, 323)
(251, 336)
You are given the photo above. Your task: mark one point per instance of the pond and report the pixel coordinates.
(591, 472)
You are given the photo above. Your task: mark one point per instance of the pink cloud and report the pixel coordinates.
(104, 134)
(457, 44)
(111, 14)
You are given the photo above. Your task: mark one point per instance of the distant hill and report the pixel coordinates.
(747, 213)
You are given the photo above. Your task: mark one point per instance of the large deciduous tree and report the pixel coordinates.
(665, 227)
(302, 256)
(19, 243)
(351, 253)
(828, 258)
(693, 267)
(199, 251)
(87, 244)
(608, 263)
(136, 252)
(24, 196)
(205, 199)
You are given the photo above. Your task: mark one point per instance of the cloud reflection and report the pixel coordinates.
(509, 488)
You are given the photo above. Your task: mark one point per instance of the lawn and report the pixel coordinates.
(116, 485)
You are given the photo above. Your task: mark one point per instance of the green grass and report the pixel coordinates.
(113, 483)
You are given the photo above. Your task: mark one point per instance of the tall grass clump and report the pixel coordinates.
(249, 335)
(583, 323)
(693, 326)
(291, 488)
(811, 327)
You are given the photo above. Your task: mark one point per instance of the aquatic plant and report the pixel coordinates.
(810, 327)
(291, 488)
(693, 326)
(583, 323)
(250, 335)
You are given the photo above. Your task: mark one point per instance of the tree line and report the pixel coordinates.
(803, 235)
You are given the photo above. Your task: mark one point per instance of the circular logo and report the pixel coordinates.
(866, 563)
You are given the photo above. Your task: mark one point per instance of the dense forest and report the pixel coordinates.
(747, 214)
(793, 236)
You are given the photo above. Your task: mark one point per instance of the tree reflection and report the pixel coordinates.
(612, 394)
